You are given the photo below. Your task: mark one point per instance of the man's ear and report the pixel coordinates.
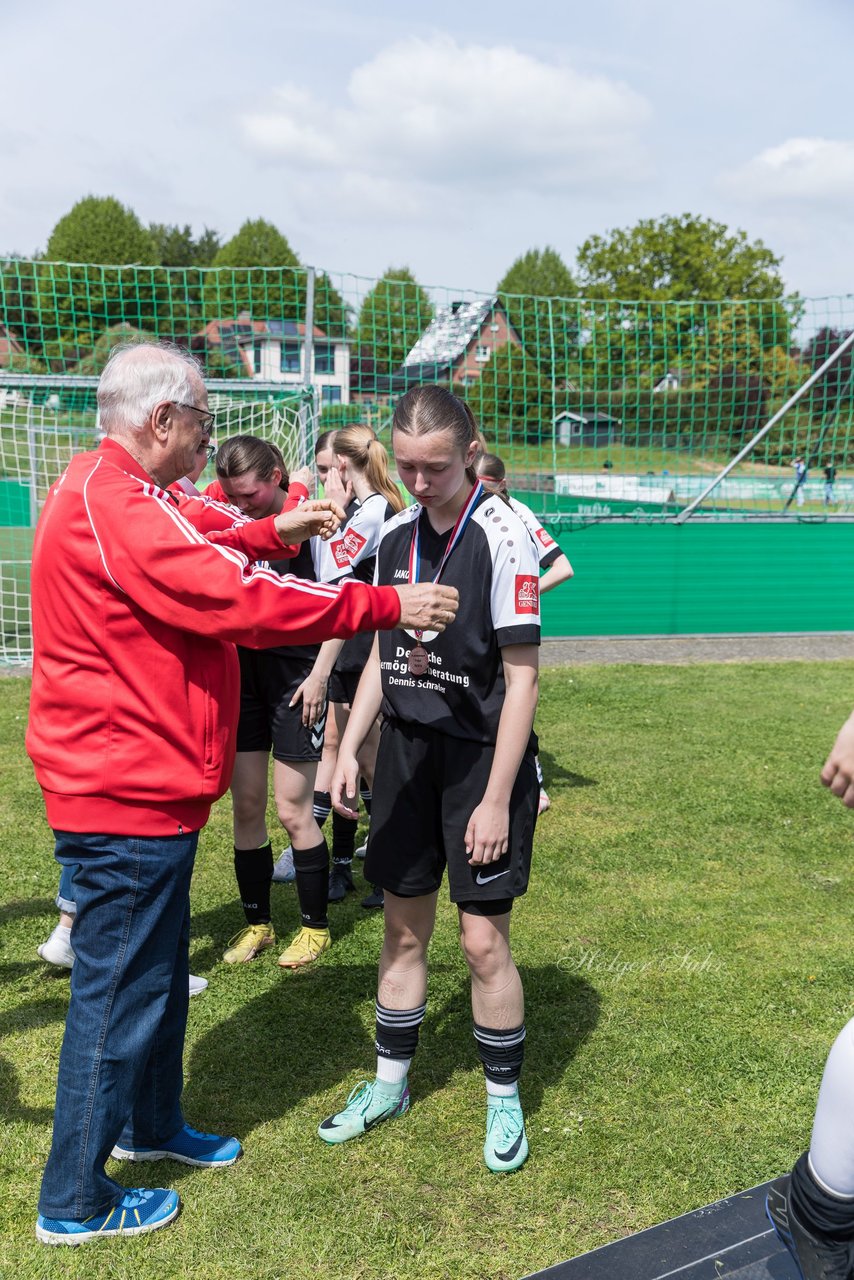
(161, 420)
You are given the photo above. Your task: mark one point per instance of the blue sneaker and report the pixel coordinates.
(506, 1146)
(138, 1210)
(366, 1106)
(188, 1146)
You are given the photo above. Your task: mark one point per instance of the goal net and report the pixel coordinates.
(45, 420)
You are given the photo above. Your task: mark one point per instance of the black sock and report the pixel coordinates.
(254, 871)
(322, 806)
(397, 1031)
(366, 794)
(501, 1052)
(312, 868)
(819, 1211)
(343, 837)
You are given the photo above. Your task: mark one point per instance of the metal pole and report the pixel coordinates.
(306, 415)
(772, 422)
(32, 455)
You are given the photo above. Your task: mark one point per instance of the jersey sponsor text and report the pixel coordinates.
(527, 593)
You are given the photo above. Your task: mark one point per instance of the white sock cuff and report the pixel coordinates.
(831, 1191)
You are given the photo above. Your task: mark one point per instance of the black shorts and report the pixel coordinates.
(268, 681)
(426, 787)
(343, 686)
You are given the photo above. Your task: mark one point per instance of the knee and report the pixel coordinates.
(402, 942)
(486, 952)
(248, 806)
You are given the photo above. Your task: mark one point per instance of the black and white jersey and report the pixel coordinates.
(494, 568)
(352, 552)
(547, 549)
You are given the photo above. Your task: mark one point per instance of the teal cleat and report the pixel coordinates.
(367, 1105)
(506, 1146)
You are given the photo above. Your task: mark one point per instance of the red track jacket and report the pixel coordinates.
(135, 614)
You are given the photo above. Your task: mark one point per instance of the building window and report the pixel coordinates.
(256, 351)
(324, 357)
(481, 353)
(291, 362)
(331, 395)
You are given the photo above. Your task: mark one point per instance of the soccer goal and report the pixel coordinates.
(45, 420)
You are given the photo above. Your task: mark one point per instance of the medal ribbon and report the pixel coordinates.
(456, 534)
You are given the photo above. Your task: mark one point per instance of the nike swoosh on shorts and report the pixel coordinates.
(480, 878)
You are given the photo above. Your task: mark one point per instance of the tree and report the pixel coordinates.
(538, 293)
(265, 278)
(392, 318)
(681, 259)
(100, 229)
(511, 394)
(177, 247)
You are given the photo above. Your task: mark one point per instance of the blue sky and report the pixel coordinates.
(450, 144)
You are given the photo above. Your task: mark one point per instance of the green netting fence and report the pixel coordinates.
(603, 411)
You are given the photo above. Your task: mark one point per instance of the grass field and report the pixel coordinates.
(686, 951)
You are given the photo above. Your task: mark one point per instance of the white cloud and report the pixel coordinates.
(433, 111)
(815, 170)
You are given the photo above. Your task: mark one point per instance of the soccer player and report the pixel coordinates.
(273, 684)
(455, 781)
(362, 464)
(812, 1208)
(492, 475)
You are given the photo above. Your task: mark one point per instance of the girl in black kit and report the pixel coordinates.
(283, 709)
(455, 783)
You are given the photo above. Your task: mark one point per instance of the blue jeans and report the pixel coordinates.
(120, 1069)
(65, 896)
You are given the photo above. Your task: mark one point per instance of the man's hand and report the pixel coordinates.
(321, 516)
(427, 606)
(838, 772)
(335, 488)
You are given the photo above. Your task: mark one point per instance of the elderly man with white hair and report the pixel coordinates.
(132, 727)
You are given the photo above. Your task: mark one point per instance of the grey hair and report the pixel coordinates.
(140, 375)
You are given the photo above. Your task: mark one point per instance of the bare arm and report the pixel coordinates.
(489, 825)
(559, 571)
(366, 708)
(312, 691)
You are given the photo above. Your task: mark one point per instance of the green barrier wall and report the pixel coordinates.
(14, 503)
(668, 579)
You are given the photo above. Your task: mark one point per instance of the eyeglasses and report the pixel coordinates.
(207, 419)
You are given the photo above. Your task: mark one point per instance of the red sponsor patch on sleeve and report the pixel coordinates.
(347, 547)
(546, 539)
(527, 593)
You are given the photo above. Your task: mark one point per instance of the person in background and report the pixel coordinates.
(492, 474)
(800, 480)
(362, 464)
(829, 481)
